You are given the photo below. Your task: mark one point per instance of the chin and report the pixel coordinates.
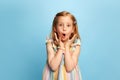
(64, 40)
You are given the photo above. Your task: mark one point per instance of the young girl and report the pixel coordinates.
(63, 49)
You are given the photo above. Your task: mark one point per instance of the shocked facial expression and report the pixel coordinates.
(64, 27)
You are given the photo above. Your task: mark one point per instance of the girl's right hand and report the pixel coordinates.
(60, 43)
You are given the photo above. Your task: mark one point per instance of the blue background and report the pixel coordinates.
(24, 25)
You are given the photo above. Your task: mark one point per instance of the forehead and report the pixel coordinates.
(65, 19)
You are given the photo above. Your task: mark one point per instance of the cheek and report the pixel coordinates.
(70, 31)
(59, 30)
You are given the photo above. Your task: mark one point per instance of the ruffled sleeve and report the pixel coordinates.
(50, 40)
(77, 42)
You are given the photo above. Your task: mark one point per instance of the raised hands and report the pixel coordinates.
(70, 41)
(60, 43)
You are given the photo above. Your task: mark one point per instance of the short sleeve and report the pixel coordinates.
(48, 40)
(51, 41)
(77, 42)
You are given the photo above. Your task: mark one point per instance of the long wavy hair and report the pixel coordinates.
(55, 22)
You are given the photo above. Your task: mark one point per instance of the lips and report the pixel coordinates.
(63, 36)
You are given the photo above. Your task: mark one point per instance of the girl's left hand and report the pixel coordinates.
(70, 41)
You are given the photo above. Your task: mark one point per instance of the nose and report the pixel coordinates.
(64, 28)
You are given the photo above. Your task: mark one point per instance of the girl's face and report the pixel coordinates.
(64, 27)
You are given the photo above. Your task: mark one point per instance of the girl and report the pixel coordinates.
(63, 49)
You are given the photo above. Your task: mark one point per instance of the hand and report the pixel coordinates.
(70, 41)
(60, 43)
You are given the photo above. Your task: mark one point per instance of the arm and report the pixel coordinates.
(54, 59)
(71, 59)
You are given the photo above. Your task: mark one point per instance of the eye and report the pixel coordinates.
(59, 24)
(68, 25)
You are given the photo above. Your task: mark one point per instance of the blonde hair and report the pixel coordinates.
(55, 21)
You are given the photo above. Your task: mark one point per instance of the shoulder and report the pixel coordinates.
(49, 43)
(48, 40)
(77, 42)
(76, 45)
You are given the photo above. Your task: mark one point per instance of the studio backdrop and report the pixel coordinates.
(24, 25)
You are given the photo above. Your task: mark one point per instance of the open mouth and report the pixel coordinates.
(63, 35)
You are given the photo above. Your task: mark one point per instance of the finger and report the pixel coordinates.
(56, 37)
(59, 38)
